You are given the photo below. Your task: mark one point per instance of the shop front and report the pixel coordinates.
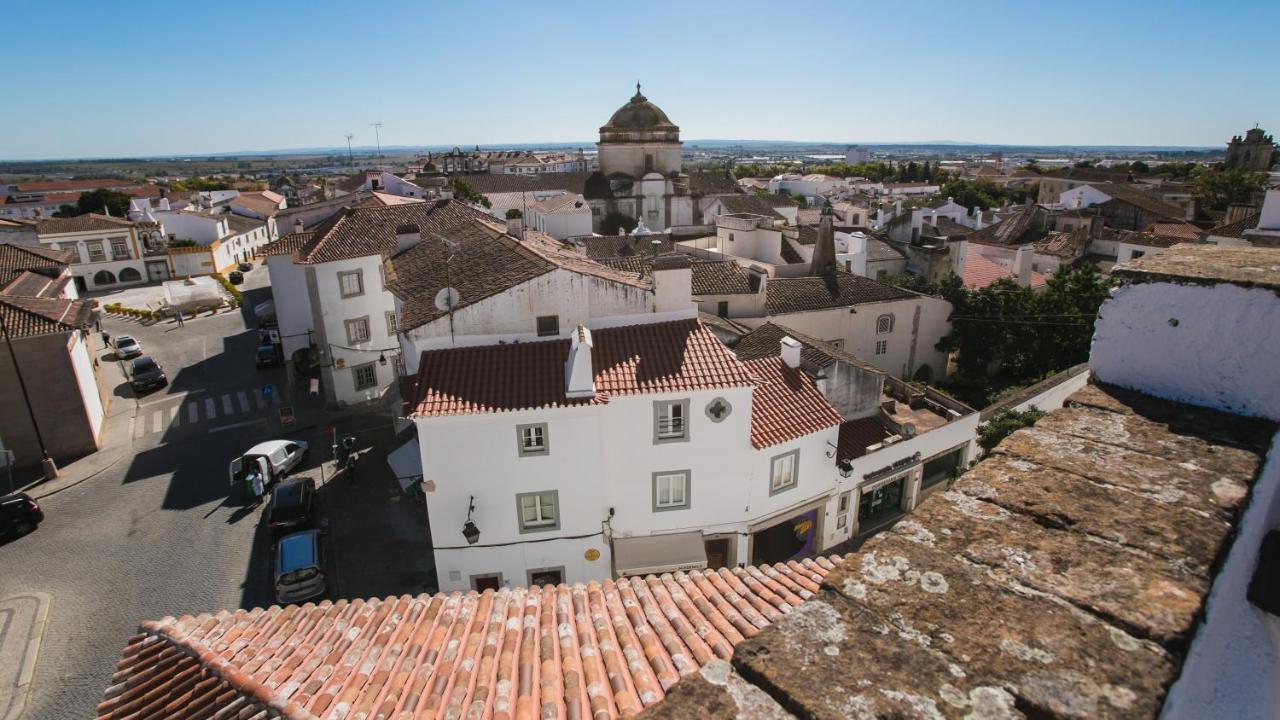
(795, 537)
(887, 494)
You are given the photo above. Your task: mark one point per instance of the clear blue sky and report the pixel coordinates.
(95, 78)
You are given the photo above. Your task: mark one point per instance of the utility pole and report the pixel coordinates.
(377, 132)
(50, 469)
(350, 159)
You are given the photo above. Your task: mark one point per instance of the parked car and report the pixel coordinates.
(146, 374)
(19, 514)
(300, 567)
(268, 356)
(127, 347)
(235, 277)
(244, 267)
(274, 459)
(291, 504)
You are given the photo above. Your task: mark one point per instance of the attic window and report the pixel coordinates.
(548, 325)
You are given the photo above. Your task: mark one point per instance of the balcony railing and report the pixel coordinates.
(670, 427)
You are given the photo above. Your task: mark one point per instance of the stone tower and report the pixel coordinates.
(824, 250)
(1256, 151)
(638, 140)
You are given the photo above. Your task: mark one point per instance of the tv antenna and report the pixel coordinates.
(350, 158)
(377, 133)
(448, 296)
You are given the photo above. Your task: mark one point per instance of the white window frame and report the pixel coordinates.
(342, 283)
(372, 368)
(124, 247)
(668, 414)
(673, 500)
(390, 316)
(789, 480)
(525, 434)
(90, 246)
(884, 324)
(546, 508)
(882, 347)
(356, 322)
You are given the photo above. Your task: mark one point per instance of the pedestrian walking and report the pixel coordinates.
(179, 318)
(258, 489)
(106, 339)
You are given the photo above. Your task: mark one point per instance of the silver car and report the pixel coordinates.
(127, 347)
(300, 567)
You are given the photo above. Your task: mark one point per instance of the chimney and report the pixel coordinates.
(791, 352)
(1270, 219)
(1022, 265)
(1193, 209)
(672, 283)
(407, 236)
(164, 204)
(1239, 211)
(515, 224)
(579, 380)
(824, 251)
(297, 225)
(977, 217)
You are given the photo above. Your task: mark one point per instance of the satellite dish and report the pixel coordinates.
(447, 299)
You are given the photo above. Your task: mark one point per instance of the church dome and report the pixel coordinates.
(639, 114)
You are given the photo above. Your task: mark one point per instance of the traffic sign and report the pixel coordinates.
(267, 390)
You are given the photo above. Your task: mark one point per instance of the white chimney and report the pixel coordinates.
(579, 380)
(515, 224)
(1022, 265)
(164, 204)
(297, 225)
(1270, 219)
(407, 236)
(672, 283)
(791, 351)
(977, 217)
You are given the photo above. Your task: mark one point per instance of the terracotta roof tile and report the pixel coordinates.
(81, 223)
(28, 284)
(287, 245)
(31, 316)
(786, 404)
(1235, 229)
(788, 295)
(15, 258)
(857, 435)
(613, 246)
(364, 231)
(815, 355)
(710, 277)
(600, 649)
(651, 358)
(980, 272)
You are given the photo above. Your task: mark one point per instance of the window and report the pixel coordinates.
(882, 347)
(532, 439)
(670, 421)
(838, 343)
(358, 330)
(1137, 254)
(391, 322)
(366, 376)
(351, 284)
(884, 324)
(722, 308)
(130, 275)
(119, 248)
(382, 274)
(882, 274)
(671, 490)
(548, 325)
(842, 510)
(104, 277)
(546, 576)
(783, 471)
(95, 251)
(539, 511)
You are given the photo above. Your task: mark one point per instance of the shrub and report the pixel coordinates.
(1004, 424)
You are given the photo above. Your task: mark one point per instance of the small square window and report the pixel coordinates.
(350, 284)
(539, 511)
(670, 421)
(357, 331)
(548, 325)
(671, 490)
(532, 440)
(366, 376)
(783, 471)
(882, 347)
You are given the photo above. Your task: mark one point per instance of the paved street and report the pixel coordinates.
(155, 534)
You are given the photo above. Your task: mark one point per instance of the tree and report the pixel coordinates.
(466, 192)
(1140, 167)
(1005, 424)
(1217, 190)
(927, 174)
(116, 203)
(614, 220)
(1083, 164)
(800, 201)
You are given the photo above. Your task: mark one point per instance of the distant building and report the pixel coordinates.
(854, 155)
(1256, 151)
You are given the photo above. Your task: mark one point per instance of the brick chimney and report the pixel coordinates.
(579, 379)
(515, 224)
(791, 352)
(407, 236)
(824, 251)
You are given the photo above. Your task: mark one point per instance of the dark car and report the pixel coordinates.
(268, 356)
(291, 503)
(19, 514)
(235, 277)
(244, 267)
(146, 374)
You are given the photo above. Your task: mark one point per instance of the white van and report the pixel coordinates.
(274, 459)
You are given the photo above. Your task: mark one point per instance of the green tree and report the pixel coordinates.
(1083, 164)
(1005, 424)
(1140, 167)
(614, 220)
(1217, 190)
(1179, 170)
(115, 203)
(466, 192)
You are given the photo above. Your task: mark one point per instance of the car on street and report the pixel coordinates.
(235, 277)
(127, 347)
(19, 514)
(300, 567)
(291, 505)
(146, 374)
(267, 356)
(273, 459)
(244, 267)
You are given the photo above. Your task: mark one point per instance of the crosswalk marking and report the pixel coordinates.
(209, 411)
(226, 405)
(244, 401)
(173, 415)
(262, 403)
(193, 413)
(157, 421)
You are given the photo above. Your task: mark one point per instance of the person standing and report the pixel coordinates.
(179, 318)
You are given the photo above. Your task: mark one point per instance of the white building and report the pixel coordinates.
(562, 217)
(854, 155)
(379, 181)
(812, 187)
(107, 251)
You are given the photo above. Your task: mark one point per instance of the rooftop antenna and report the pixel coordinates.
(377, 133)
(447, 297)
(350, 158)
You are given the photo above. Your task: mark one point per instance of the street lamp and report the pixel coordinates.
(46, 462)
(469, 529)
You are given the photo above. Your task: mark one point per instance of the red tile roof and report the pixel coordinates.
(15, 258)
(653, 358)
(799, 294)
(31, 316)
(857, 435)
(81, 223)
(599, 650)
(980, 272)
(786, 404)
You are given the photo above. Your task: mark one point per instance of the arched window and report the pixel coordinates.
(884, 324)
(130, 275)
(104, 277)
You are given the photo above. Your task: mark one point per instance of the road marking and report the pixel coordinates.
(244, 401)
(261, 402)
(226, 405)
(193, 412)
(173, 415)
(220, 428)
(157, 421)
(209, 411)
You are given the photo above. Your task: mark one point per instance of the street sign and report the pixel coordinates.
(267, 390)
(286, 415)
(275, 336)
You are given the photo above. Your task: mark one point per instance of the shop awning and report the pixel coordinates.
(406, 463)
(655, 554)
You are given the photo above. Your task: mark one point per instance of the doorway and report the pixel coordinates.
(157, 271)
(877, 506)
(717, 553)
